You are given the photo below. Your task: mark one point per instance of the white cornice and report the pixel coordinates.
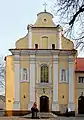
(42, 52)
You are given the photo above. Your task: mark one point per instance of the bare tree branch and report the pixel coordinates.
(71, 12)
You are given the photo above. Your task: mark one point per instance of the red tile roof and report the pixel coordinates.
(80, 64)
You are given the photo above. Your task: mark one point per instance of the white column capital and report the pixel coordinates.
(16, 58)
(55, 59)
(71, 59)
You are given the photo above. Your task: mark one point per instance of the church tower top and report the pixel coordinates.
(45, 11)
(45, 6)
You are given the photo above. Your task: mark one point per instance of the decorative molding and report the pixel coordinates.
(44, 59)
(16, 58)
(42, 52)
(71, 59)
(45, 30)
(44, 85)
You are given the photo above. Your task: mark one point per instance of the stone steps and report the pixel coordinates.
(42, 115)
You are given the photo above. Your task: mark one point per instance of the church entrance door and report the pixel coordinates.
(44, 104)
(81, 105)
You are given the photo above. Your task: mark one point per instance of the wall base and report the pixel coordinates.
(72, 113)
(16, 113)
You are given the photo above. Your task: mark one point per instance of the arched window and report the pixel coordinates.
(44, 73)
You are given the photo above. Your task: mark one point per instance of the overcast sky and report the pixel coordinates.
(15, 15)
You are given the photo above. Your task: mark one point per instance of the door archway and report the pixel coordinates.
(44, 104)
(81, 105)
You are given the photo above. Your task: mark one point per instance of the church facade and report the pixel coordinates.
(41, 69)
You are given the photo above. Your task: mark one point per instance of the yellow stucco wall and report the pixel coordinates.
(24, 90)
(63, 87)
(37, 39)
(9, 82)
(67, 44)
(42, 23)
(22, 43)
(63, 91)
(24, 86)
(38, 33)
(24, 62)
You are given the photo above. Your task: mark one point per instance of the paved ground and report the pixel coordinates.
(58, 118)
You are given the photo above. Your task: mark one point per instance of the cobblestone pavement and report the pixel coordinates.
(58, 118)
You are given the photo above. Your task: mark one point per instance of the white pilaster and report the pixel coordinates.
(55, 104)
(60, 38)
(37, 79)
(32, 81)
(50, 73)
(30, 36)
(71, 83)
(16, 104)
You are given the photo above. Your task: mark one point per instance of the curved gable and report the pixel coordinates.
(44, 19)
(22, 43)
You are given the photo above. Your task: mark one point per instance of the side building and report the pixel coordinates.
(80, 85)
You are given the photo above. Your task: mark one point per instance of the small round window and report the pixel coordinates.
(45, 20)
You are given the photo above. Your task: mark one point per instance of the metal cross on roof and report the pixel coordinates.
(45, 6)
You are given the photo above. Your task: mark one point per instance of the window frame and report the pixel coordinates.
(53, 47)
(35, 46)
(63, 75)
(82, 79)
(45, 73)
(24, 74)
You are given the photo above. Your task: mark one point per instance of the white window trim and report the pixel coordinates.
(66, 71)
(21, 80)
(40, 73)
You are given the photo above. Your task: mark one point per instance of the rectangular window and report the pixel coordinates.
(81, 80)
(53, 46)
(36, 46)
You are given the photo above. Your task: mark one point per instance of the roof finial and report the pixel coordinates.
(45, 6)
